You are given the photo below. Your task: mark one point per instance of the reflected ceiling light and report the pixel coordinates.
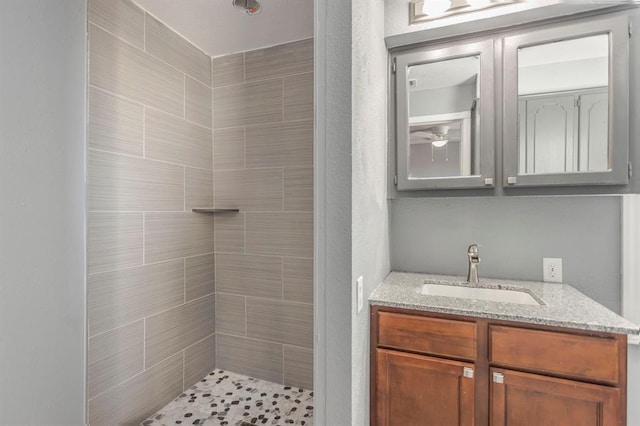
(439, 143)
(248, 7)
(427, 10)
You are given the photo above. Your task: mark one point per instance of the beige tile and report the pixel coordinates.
(199, 360)
(298, 97)
(170, 47)
(284, 59)
(114, 241)
(198, 188)
(174, 235)
(228, 69)
(229, 230)
(247, 103)
(121, 297)
(121, 68)
(199, 276)
(114, 357)
(298, 367)
(136, 399)
(230, 318)
(121, 183)
(280, 234)
(249, 190)
(172, 139)
(173, 330)
(119, 17)
(298, 280)
(279, 145)
(259, 276)
(198, 102)
(280, 321)
(298, 189)
(115, 124)
(228, 148)
(255, 358)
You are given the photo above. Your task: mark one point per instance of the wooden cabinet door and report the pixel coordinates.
(521, 399)
(419, 390)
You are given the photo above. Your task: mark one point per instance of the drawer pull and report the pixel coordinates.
(498, 378)
(467, 372)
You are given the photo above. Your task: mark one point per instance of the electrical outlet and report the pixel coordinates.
(552, 270)
(360, 293)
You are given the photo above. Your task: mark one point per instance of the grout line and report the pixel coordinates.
(113, 329)
(266, 123)
(263, 341)
(137, 157)
(260, 80)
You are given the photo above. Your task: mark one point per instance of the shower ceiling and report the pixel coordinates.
(218, 29)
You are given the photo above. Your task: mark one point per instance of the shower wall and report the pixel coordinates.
(150, 284)
(263, 164)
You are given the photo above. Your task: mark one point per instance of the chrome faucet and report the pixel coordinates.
(474, 259)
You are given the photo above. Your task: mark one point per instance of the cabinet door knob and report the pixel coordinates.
(467, 372)
(498, 378)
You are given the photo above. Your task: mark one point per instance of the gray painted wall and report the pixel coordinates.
(42, 211)
(332, 213)
(370, 223)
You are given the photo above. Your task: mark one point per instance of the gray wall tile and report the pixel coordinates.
(121, 68)
(298, 367)
(280, 234)
(279, 144)
(259, 276)
(199, 276)
(228, 70)
(230, 317)
(122, 183)
(120, 17)
(254, 358)
(247, 103)
(115, 124)
(257, 189)
(198, 187)
(118, 298)
(114, 241)
(228, 148)
(290, 58)
(172, 139)
(198, 104)
(298, 280)
(229, 232)
(136, 399)
(179, 234)
(280, 321)
(173, 330)
(167, 45)
(298, 97)
(298, 189)
(114, 357)
(199, 360)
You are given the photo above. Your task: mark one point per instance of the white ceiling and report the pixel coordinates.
(218, 29)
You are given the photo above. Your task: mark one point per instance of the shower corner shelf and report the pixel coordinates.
(210, 210)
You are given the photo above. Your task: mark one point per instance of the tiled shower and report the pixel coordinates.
(173, 294)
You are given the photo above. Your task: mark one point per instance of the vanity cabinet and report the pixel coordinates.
(438, 369)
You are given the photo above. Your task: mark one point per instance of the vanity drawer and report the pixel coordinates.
(583, 357)
(433, 336)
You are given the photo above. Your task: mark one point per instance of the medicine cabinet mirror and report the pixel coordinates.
(566, 105)
(444, 117)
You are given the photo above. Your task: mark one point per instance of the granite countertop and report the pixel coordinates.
(564, 306)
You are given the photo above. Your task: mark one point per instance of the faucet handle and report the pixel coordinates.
(473, 249)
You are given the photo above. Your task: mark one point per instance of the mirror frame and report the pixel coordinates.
(403, 61)
(618, 132)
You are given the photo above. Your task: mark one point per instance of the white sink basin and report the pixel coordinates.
(478, 293)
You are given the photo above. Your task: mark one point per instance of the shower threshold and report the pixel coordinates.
(226, 398)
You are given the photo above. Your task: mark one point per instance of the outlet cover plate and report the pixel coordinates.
(552, 270)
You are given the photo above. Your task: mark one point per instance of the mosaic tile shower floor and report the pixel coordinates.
(225, 398)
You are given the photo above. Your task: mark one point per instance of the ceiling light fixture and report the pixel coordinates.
(247, 7)
(427, 10)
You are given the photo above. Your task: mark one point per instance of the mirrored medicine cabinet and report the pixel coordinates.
(565, 97)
